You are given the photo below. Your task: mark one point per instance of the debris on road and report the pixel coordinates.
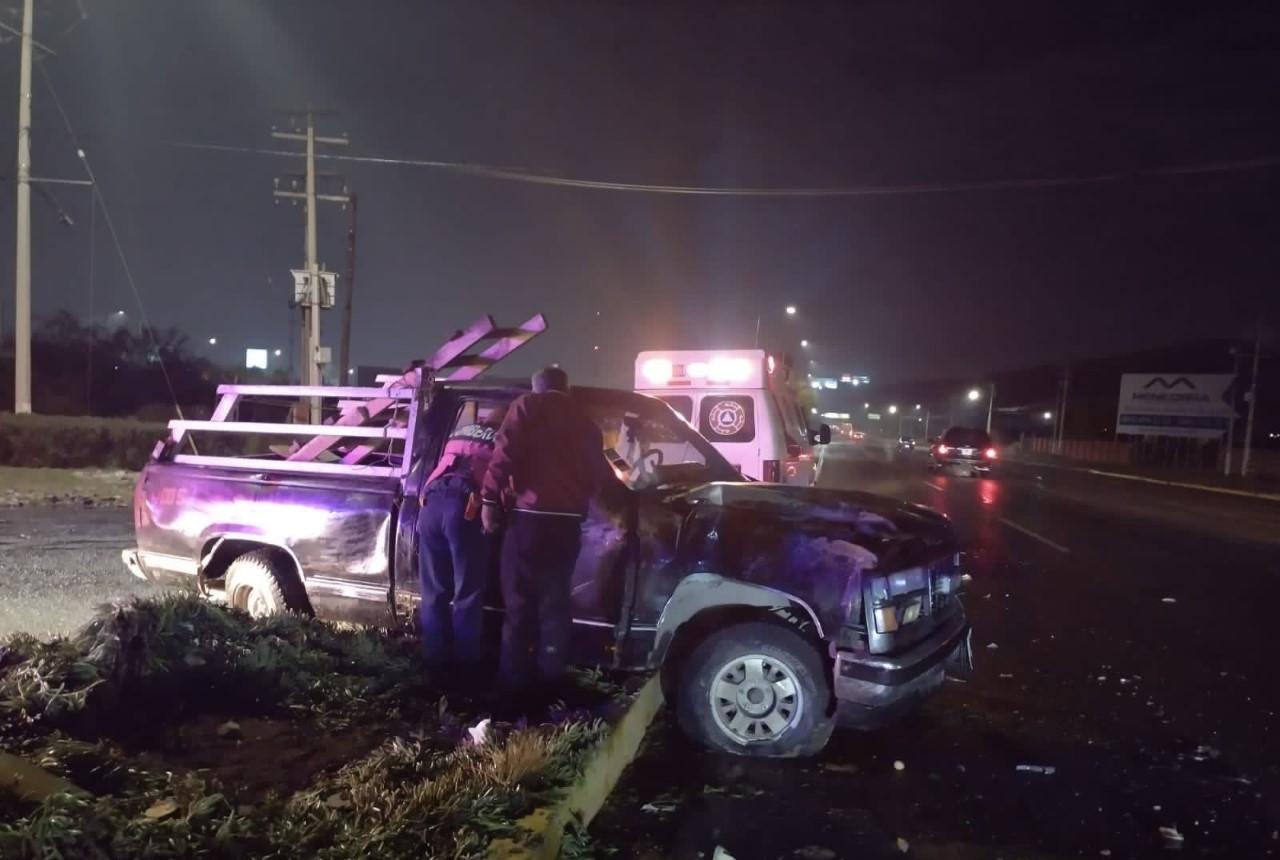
(814, 852)
(991, 646)
(1045, 770)
(479, 733)
(161, 809)
(660, 807)
(1172, 838)
(230, 730)
(899, 765)
(721, 854)
(839, 767)
(1169, 600)
(903, 845)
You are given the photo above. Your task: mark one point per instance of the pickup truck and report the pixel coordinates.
(773, 612)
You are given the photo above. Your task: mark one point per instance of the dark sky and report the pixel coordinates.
(769, 95)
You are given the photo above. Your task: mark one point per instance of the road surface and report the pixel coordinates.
(1126, 638)
(58, 564)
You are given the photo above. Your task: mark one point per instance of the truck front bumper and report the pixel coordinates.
(873, 689)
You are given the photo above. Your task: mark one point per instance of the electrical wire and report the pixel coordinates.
(513, 175)
(115, 239)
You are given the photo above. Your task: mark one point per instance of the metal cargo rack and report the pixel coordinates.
(373, 431)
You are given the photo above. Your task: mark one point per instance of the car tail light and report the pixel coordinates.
(772, 472)
(991, 453)
(793, 469)
(943, 449)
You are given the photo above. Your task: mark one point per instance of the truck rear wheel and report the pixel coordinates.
(255, 584)
(756, 689)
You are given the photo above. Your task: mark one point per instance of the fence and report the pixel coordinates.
(1189, 455)
(1084, 450)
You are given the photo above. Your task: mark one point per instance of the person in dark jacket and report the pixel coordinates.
(453, 550)
(549, 460)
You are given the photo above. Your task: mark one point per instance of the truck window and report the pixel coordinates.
(681, 403)
(727, 418)
(649, 449)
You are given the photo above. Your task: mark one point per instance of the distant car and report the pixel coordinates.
(965, 449)
(906, 443)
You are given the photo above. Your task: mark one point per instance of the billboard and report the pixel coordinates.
(1174, 404)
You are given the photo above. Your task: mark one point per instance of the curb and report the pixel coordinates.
(1271, 497)
(544, 828)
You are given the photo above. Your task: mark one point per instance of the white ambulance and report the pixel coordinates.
(739, 400)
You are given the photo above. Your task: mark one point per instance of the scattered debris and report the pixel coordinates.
(1205, 753)
(903, 845)
(1006, 675)
(899, 765)
(479, 733)
(814, 852)
(161, 809)
(1172, 838)
(1105, 852)
(1043, 769)
(721, 854)
(839, 767)
(991, 646)
(230, 730)
(1169, 600)
(661, 807)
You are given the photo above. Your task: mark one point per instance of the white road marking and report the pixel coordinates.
(935, 486)
(1029, 533)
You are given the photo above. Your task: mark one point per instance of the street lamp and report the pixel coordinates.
(917, 407)
(893, 410)
(804, 344)
(1048, 416)
(213, 341)
(791, 310)
(974, 395)
(279, 352)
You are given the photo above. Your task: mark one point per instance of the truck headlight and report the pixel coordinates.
(886, 619)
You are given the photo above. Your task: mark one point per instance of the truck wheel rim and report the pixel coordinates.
(257, 605)
(755, 698)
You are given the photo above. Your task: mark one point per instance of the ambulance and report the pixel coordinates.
(739, 401)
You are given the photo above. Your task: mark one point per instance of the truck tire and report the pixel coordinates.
(756, 689)
(255, 584)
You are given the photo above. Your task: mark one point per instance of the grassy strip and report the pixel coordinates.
(76, 442)
(80, 487)
(90, 709)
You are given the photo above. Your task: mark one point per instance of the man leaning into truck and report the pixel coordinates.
(549, 456)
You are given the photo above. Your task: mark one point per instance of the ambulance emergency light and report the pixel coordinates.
(697, 368)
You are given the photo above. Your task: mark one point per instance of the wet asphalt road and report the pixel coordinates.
(1125, 635)
(58, 564)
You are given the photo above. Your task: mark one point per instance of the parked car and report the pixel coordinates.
(965, 449)
(773, 612)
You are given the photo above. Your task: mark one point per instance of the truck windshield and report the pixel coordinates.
(650, 445)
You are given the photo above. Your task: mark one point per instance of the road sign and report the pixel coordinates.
(1174, 404)
(873, 416)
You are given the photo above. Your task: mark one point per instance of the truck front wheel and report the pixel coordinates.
(255, 585)
(756, 689)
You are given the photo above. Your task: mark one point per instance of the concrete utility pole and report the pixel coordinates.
(991, 406)
(22, 287)
(313, 286)
(1253, 406)
(1062, 412)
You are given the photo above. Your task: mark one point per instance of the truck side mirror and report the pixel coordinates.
(822, 436)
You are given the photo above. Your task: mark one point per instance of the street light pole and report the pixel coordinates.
(991, 405)
(1231, 422)
(1253, 405)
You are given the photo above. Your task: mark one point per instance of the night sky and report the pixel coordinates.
(901, 286)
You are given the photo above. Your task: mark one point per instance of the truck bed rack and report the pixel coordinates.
(374, 429)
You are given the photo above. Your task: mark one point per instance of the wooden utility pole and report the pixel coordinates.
(313, 286)
(345, 350)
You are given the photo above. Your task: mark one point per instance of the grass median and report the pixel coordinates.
(192, 730)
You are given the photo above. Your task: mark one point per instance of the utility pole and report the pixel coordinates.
(1231, 422)
(1061, 430)
(345, 350)
(1253, 405)
(22, 287)
(991, 406)
(313, 286)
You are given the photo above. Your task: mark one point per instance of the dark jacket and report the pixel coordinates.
(549, 454)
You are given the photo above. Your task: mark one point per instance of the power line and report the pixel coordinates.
(115, 239)
(513, 175)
